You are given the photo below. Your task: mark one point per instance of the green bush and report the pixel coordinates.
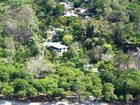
(7, 90)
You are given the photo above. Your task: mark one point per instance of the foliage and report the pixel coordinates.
(18, 3)
(68, 39)
(108, 92)
(7, 90)
(77, 3)
(107, 37)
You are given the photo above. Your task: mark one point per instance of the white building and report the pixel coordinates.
(87, 1)
(69, 14)
(67, 5)
(81, 11)
(56, 46)
(58, 29)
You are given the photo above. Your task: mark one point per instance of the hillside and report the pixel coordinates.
(59, 49)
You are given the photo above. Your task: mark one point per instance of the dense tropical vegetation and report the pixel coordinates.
(27, 69)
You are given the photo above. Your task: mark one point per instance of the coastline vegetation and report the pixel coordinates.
(109, 40)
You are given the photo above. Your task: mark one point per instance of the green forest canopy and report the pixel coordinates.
(27, 70)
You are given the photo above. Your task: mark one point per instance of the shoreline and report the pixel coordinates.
(41, 99)
(44, 99)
